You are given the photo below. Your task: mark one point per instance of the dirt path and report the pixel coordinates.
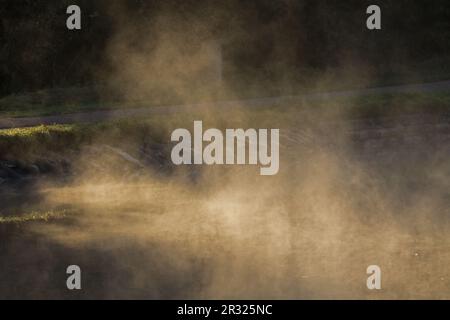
(90, 117)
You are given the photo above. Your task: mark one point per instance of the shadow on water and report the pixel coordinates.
(34, 267)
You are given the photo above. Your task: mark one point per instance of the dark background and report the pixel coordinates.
(37, 51)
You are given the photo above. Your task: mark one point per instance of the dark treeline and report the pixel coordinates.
(261, 39)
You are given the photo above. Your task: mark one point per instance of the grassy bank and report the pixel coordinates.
(24, 143)
(59, 101)
(37, 217)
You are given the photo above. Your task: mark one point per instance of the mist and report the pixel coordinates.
(347, 195)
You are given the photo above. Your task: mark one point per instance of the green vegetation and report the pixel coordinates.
(32, 142)
(275, 41)
(394, 104)
(66, 101)
(26, 144)
(50, 102)
(37, 216)
(36, 141)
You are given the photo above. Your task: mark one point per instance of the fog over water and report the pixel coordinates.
(346, 196)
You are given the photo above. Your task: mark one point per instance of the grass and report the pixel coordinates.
(75, 100)
(57, 101)
(34, 131)
(24, 143)
(37, 216)
(47, 141)
(382, 105)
